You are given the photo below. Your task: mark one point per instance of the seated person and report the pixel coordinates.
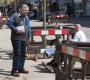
(79, 35)
(53, 62)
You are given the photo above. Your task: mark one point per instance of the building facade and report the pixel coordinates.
(78, 7)
(87, 7)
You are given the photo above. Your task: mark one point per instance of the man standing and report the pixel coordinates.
(20, 32)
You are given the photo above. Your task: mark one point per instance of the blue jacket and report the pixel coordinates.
(18, 20)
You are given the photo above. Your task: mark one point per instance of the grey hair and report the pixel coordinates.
(78, 25)
(24, 6)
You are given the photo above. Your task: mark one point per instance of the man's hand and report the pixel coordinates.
(20, 32)
(69, 37)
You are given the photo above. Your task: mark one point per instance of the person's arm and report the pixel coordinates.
(76, 37)
(30, 33)
(11, 22)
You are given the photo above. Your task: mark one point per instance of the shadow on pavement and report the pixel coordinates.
(41, 69)
(6, 54)
(2, 72)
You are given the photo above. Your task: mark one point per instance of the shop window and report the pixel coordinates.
(79, 9)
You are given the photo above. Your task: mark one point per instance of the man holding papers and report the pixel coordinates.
(20, 31)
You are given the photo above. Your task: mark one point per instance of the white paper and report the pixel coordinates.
(42, 50)
(20, 28)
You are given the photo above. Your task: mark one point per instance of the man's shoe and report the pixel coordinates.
(15, 74)
(23, 71)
